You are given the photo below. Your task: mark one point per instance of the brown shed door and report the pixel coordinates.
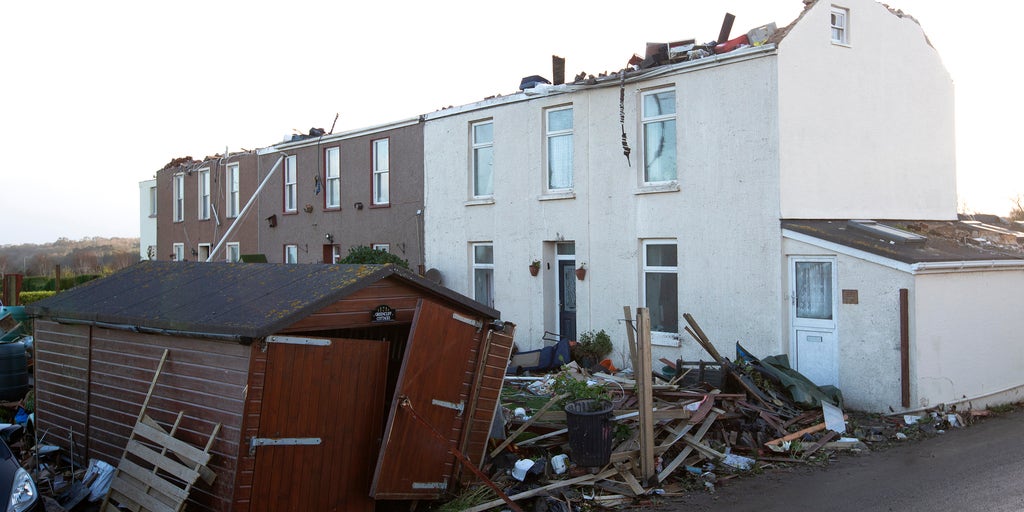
(332, 393)
(413, 463)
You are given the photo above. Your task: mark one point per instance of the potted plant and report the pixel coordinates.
(591, 347)
(588, 415)
(534, 267)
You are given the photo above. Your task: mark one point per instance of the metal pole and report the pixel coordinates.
(241, 214)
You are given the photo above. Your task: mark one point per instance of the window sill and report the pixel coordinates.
(665, 339)
(844, 45)
(481, 201)
(658, 188)
(555, 196)
(381, 205)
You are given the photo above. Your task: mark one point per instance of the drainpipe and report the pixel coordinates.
(245, 209)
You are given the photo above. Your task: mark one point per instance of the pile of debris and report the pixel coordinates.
(684, 429)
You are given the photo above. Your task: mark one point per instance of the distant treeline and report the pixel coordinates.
(88, 256)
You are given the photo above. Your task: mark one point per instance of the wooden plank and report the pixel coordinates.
(630, 336)
(554, 400)
(648, 470)
(153, 457)
(157, 435)
(205, 472)
(148, 478)
(799, 433)
(830, 435)
(582, 480)
(685, 452)
(139, 496)
(627, 475)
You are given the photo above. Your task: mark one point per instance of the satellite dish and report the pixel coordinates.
(433, 275)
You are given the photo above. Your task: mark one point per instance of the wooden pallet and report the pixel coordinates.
(157, 470)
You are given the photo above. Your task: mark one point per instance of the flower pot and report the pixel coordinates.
(590, 431)
(581, 273)
(534, 270)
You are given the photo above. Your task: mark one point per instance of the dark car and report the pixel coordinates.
(22, 495)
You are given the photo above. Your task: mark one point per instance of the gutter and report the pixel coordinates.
(966, 266)
(237, 338)
(313, 141)
(959, 401)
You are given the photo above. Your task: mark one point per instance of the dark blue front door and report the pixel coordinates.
(567, 299)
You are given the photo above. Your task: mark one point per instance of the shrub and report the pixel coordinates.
(363, 255)
(592, 346)
(30, 297)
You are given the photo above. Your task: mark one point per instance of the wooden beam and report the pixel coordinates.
(582, 480)
(648, 469)
(554, 400)
(630, 336)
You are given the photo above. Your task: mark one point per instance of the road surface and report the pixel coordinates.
(978, 468)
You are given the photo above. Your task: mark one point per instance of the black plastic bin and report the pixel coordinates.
(590, 431)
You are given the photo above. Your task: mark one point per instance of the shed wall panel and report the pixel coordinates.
(204, 378)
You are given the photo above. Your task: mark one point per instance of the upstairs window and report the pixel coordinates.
(558, 127)
(290, 200)
(483, 273)
(152, 201)
(179, 197)
(381, 172)
(332, 177)
(204, 194)
(840, 25)
(659, 124)
(231, 190)
(483, 159)
(661, 289)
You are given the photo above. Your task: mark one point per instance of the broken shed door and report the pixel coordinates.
(435, 376)
(320, 424)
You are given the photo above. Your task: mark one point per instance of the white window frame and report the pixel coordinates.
(650, 120)
(381, 155)
(152, 201)
(335, 253)
(232, 252)
(477, 147)
(232, 189)
(204, 252)
(839, 21)
(291, 253)
(332, 178)
(178, 186)
(476, 265)
(291, 202)
(552, 135)
(178, 251)
(382, 247)
(660, 337)
(203, 193)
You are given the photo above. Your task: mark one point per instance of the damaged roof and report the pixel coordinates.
(909, 241)
(240, 300)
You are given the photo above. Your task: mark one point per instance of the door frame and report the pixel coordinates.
(560, 259)
(830, 327)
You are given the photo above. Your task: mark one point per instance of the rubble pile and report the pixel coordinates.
(709, 421)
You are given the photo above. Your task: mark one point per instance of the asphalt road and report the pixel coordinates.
(978, 468)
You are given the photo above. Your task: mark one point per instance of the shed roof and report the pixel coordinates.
(943, 241)
(240, 300)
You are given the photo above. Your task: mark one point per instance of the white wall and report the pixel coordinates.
(968, 340)
(866, 130)
(868, 333)
(724, 214)
(147, 224)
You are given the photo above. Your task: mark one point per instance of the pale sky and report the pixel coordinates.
(97, 96)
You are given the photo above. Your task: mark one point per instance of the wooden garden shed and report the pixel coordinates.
(305, 367)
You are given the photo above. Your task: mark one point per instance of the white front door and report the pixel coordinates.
(812, 292)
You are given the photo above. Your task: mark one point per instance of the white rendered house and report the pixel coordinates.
(845, 114)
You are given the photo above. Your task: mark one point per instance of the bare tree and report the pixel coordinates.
(1017, 212)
